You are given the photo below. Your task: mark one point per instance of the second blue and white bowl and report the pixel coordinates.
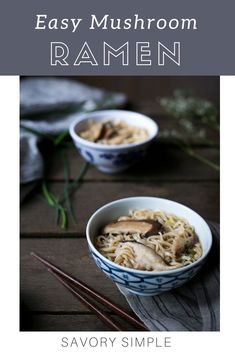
(112, 158)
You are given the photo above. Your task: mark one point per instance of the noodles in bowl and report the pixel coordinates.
(113, 132)
(113, 140)
(150, 241)
(148, 245)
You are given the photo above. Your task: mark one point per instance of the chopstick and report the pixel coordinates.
(100, 313)
(89, 291)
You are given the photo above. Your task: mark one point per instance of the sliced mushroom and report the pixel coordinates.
(109, 130)
(93, 133)
(145, 228)
(145, 257)
(180, 244)
(192, 240)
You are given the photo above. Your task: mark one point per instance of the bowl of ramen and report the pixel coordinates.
(113, 140)
(148, 245)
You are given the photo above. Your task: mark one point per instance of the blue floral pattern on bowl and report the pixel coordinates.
(142, 284)
(111, 161)
(112, 158)
(123, 158)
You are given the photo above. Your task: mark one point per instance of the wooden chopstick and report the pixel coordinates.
(92, 293)
(100, 313)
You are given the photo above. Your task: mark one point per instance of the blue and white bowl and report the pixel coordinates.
(112, 158)
(146, 282)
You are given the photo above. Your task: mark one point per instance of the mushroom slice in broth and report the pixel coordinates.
(93, 133)
(144, 257)
(144, 228)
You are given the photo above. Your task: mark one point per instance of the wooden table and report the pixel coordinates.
(167, 172)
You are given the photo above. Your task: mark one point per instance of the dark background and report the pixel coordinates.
(167, 172)
(149, 88)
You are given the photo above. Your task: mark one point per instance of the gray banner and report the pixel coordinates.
(152, 37)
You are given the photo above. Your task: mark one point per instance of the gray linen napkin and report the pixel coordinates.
(192, 307)
(49, 105)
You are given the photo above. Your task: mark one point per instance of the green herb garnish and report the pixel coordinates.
(189, 112)
(53, 202)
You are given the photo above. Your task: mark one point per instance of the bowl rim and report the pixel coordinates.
(85, 116)
(142, 272)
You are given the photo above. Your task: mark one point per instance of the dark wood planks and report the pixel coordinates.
(140, 88)
(67, 322)
(41, 292)
(162, 163)
(166, 172)
(38, 219)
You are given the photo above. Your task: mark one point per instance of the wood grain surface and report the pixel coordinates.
(166, 172)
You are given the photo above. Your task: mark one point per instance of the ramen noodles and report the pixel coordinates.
(149, 240)
(113, 133)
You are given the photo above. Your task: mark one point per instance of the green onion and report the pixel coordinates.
(200, 158)
(66, 190)
(60, 138)
(53, 202)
